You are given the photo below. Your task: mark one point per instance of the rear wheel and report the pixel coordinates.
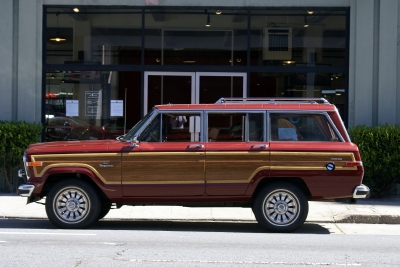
(72, 204)
(281, 207)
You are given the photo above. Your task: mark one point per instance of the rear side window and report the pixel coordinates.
(301, 127)
(235, 127)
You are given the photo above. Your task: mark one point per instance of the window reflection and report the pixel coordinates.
(181, 37)
(93, 36)
(90, 105)
(287, 37)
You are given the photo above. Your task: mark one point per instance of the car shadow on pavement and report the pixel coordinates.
(163, 225)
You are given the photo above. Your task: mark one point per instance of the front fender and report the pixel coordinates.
(109, 189)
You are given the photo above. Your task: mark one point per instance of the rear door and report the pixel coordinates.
(236, 151)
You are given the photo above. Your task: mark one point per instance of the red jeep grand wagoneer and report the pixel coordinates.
(272, 155)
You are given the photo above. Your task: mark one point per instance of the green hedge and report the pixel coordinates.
(15, 137)
(380, 152)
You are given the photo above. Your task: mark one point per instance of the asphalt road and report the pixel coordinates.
(168, 243)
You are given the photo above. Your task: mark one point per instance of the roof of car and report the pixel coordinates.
(287, 103)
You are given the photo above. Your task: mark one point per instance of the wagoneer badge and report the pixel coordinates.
(106, 165)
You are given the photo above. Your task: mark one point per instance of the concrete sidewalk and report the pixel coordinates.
(385, 210)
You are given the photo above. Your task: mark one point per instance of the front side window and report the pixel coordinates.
(173, 127)
(301, 127)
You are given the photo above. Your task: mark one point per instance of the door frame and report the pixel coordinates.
(195, 83)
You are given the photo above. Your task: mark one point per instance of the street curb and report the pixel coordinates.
(369, 219)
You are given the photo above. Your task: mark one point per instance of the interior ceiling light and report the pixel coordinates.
(310, 12)
(288, 62)
(218, 12)
(208, 21)
(76, 9)
(57, 38)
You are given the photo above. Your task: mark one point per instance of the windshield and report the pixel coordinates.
(138, 125)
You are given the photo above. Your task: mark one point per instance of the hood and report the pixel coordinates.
(67, 147)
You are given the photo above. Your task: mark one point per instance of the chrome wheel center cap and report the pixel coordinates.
(281, 207)
(72, 204)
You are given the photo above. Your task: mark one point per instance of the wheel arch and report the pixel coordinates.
(297, 181)
(55, 175)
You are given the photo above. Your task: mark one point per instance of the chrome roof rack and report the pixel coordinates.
(271, 100)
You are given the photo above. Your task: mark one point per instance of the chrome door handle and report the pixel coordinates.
(262, 146)
(195, 146)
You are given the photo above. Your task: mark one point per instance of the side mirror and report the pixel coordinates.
(134, 142)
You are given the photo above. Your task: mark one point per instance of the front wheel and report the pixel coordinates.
(281, 207)
(72, 204)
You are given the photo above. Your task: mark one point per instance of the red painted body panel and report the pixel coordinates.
(68, 147)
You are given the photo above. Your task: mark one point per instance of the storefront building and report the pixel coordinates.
(104, 64)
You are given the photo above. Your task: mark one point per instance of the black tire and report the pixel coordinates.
(105, 208)
(72, 204)
(280, 207)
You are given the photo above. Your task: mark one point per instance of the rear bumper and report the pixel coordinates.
(25, 190)
(361, 191)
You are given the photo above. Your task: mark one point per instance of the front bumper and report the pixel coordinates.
(25, 190)
(361, 191)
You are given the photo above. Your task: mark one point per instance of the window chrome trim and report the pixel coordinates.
(344, 127)
(150, 119)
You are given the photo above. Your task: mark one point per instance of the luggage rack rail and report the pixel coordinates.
(271, 100)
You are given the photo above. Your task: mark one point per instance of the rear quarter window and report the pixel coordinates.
(301, 127)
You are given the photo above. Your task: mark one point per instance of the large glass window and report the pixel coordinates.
(97, 54)
(292, 37)
(196, 37)
(93, 36)
(330, 86)
(83, 105)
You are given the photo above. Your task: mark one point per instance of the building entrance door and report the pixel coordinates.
(191, 87)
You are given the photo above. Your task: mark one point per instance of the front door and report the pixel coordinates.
(191, 87)
(169, 159)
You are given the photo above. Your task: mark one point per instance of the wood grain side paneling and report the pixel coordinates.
(92, 161)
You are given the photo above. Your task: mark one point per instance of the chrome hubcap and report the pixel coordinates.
(71, 205)
(281, 208)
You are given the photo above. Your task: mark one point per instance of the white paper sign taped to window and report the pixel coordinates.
(117, 108)
(72, 108)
